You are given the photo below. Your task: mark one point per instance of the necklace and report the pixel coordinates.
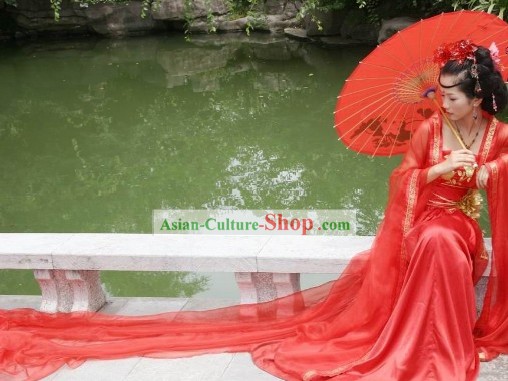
(462, 138)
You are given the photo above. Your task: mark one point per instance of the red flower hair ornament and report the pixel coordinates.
(459, 51)
(455, 51)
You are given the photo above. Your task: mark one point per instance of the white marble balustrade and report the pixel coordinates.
(67, 265)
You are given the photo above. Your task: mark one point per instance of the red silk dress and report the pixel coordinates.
(403, 310)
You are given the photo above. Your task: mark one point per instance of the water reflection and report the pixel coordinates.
(252, 176)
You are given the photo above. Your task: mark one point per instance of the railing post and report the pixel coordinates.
(70, 290)
(86, 289)
(262, 287)
(55, 290)
(480, 289)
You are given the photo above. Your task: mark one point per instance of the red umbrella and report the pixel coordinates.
(384, 99)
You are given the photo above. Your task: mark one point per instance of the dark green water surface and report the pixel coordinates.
(96, 134)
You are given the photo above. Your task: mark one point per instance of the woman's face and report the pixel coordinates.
(455, 103)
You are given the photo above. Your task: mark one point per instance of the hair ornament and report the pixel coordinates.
(474, 74)
(460, 51)
(494, 104)
(494, 54)
(455, 51)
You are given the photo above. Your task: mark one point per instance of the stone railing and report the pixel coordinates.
(67, 266)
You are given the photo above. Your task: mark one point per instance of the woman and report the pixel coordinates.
(403, 310)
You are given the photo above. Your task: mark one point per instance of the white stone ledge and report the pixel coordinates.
(146, 252)
(67, 265)
(310, 254)
(180, 252)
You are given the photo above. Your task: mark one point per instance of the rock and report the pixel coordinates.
(233, 25)
(392, 26)
(277, 23)
(330, 22)
(356, 27)
(7, 24)
(287, 9)
(38, 16)
(270, 23)
(120, 19)
(366, 33)
(299, 34)
(221, 24)
(274, 7)
(334, 41)
(175, 9)
(34, 17)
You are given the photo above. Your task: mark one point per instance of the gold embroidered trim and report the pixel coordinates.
(488, 140)
(437, 140)
(411, 198)
(495, 174)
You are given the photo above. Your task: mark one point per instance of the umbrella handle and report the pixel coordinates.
(432, 95)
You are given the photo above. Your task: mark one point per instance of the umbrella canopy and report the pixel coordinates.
(384, 100)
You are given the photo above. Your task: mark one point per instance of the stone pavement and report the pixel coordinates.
(216, 367)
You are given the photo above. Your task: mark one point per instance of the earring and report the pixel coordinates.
(475, 113)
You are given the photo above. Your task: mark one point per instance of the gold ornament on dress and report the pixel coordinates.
(470, 204)
(465, 174)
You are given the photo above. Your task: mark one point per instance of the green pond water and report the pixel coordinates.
(96, 134)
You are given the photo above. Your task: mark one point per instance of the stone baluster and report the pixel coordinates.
(261, 287)
(70, 290)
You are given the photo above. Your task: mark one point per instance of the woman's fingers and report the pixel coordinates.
(463, 150)
(462, 157)
(482, 177)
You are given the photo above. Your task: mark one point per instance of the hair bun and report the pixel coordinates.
(484, 58)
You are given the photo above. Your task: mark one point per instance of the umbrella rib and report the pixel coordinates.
(368, 115)
(412, 121)
(360, 101)
(403, 118)
(404, 74)
(478, 15)
(396, 59)
(403, 42)
(455, 21)
(420, 45)
(398, 130)
(387, 130)
(377, 129)
(368, 78)
(383, 67)
(491, 36)
(363, 89)
(352, 115)
(436, 29)
(410, 89)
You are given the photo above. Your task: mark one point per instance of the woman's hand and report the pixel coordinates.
(457, 159)
(482, 177)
